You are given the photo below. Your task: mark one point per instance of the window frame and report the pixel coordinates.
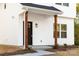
(58, 3)
(66, 4)
(61, 31)
(63, 4)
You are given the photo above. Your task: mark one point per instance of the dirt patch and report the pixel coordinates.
(18, 52)
(6, 50)
(68, 51)
(72, 52)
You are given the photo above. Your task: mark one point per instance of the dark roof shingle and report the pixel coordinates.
(41, 6)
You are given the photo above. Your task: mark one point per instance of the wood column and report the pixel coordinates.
(55, 34)
(26, 30)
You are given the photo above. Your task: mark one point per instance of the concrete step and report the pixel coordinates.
(39, 53)
(40, 47)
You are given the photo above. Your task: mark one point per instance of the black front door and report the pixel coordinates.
(29, 33)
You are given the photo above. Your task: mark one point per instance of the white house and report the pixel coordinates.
(24, 24)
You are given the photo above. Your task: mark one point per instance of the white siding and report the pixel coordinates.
(11, 27)
(45, 28)
(70, 31)
(10, 32)
(68, 11)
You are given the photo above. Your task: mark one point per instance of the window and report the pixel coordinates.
(61, 30)
(59, 3)
(65, 4)
(5, 6)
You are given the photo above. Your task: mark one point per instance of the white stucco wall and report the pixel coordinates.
(11, 27)
(68, 11)
(70, 31)
(45, 28)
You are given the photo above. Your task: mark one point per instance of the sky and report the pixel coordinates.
(38, 1)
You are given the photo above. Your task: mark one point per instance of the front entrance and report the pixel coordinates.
(29, 33)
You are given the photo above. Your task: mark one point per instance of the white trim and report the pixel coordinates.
(52, 11)
(67, 17)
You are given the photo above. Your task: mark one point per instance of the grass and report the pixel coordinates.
(76, 41)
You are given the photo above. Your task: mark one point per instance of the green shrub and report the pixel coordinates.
(76, 34)
(77, 42)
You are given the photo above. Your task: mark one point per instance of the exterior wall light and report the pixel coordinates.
(36, 25)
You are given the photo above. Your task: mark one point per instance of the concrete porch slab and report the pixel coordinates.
(40, 47)
(38, 53)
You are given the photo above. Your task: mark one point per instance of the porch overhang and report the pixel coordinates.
(41, 9)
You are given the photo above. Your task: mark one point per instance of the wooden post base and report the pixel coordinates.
(55, 47)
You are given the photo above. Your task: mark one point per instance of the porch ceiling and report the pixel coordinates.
(41, 9)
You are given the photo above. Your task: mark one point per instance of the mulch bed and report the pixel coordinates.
(18, 52)
(62, 48)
